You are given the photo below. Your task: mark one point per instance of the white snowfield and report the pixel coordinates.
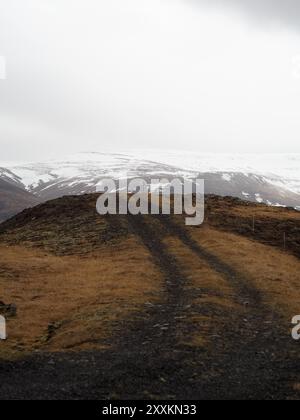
(281, 169)
(81, 172)
(87, 167)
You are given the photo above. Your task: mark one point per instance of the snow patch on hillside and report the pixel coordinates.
(85, 169)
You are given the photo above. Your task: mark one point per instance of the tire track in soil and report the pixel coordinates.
(249, 368)
(259, 364)
(144, 362)
(152, 366)
(148, 362)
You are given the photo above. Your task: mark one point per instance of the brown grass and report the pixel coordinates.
(275, 213)
(73, 303)
(239, 208)
(275, 273)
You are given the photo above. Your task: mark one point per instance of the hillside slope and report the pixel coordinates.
(14, 199)
(144, 307)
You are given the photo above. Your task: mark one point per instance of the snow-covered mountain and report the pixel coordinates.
(273, 179)
(81, 173)
(281, 169)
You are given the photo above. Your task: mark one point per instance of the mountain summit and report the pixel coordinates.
(276, 183)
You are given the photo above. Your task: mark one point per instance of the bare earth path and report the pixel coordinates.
(252, 360)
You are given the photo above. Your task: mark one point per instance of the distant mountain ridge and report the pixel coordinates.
(225, 175)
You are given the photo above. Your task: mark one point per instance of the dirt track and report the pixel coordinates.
(253, 359)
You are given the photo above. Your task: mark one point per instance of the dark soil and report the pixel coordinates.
(65, 226)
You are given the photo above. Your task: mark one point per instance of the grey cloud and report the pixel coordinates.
(281, 11)
(96, 75)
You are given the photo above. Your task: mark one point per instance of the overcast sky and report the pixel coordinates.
(203, 75)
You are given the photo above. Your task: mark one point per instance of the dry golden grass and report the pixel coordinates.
(211, 296)
(275, 273)
(230, 206)
(73, 303)
(263, 212)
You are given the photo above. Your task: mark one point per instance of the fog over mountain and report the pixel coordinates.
(217, 79)
(217, 76)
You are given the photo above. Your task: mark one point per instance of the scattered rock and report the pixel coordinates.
(52, 328)
(8, 310)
